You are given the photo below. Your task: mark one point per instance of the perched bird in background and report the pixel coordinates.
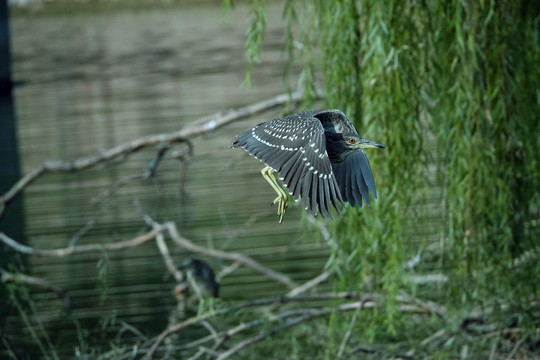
(201, 278)
(317, 155)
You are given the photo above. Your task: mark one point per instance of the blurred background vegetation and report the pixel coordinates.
(453, 90)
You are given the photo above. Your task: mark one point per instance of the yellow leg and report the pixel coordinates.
(281, 201)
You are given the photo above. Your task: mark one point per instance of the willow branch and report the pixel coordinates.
(198, 128)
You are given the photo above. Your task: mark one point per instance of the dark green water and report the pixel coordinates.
(90, 82)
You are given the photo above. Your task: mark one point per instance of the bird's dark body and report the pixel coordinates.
(310, 154)
(202, 275)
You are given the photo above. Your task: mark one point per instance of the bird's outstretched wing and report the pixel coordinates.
(295, 148)
(355, 178)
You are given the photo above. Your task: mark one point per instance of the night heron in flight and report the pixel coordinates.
(201, 278)
(317, 155)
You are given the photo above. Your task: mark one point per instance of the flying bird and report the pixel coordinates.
(317, 156)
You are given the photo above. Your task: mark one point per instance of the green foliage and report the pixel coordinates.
(103, 285)
(19, 297)
(452, 89)
(487, 134)
(254, 35)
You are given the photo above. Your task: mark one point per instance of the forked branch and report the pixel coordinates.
(198, 128)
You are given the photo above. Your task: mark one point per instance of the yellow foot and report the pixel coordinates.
(281, 201)
(281, 207)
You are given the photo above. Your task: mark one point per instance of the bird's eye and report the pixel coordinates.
(351, 140)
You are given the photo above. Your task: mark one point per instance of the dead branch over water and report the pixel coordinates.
(197, 128)
(158, 229)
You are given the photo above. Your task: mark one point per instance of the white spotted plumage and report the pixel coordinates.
(295, 148)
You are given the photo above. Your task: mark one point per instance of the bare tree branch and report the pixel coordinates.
(365, 300)
(433, 337)
(83, 231)
(42, 283)
(169, 263)
(149, 172)
(120, 245)
(113, 188)
(200, 127)
(227, 270)
(311, 283)
(238, 257)
(262, 336)
(157, 229)
(203, 351)
(163, 248)
(303, 315)
(349, 332)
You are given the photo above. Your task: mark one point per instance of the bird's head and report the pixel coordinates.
(340, 145)
(355, 142)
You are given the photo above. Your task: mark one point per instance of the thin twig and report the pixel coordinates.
(366, 301)
(114, 188)
(311, 283)
(153, 165)
(349, 332)
(120, 245)
(227, 270)
(264, 335)
(201, 352)
(42, 283)
(382, 354)
(149, 172)
(305, 315)
(433, 308)
(516, 348)
(323, 229)
(433, 337)
(258, 302)
(427, 279)
(132, 329)
(83, 231)
(162, 246)
(198, 354)
(241, 258)
(212, 331)
(169, 263)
